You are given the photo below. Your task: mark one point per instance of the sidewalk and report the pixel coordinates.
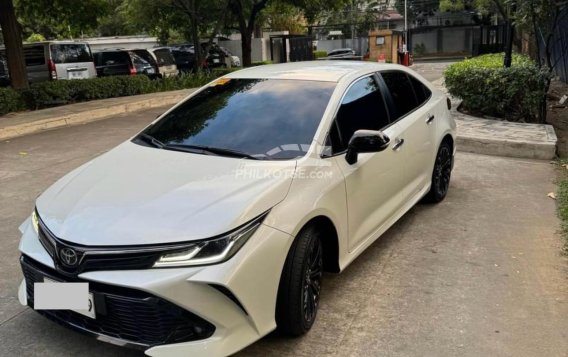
(19, 124)
(502, 138)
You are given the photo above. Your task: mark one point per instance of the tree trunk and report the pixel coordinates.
(13, 41)
(195, 35)
(246, 47)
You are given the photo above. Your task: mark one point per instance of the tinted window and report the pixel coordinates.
(401, 91)
(138, 60)
(71, 53)
(112, 58)
(164, 57)
(362, 107)
(34, 55)
(266, 118)
(422, 92)
(145, 55)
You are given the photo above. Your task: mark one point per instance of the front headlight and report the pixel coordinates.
(210, 251)
(35, 221)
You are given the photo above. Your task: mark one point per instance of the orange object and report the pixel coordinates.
(381, 58)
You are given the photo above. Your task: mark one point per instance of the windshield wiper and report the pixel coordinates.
(209, 149)
(149, 139)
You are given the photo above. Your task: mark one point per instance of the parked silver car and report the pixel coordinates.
(54, 60)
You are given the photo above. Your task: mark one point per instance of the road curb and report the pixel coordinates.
(106, 108)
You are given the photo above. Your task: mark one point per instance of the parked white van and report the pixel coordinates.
(53, 60)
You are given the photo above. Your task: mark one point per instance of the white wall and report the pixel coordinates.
(260, 49)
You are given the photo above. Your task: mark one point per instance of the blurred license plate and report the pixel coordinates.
(215, 60)
(77, 74)
(59, 293)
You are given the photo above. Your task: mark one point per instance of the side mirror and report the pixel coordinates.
(365, 141)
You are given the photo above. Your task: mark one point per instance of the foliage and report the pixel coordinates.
(60, 18)
(562, 200)
(362, 13)
(486, 87)
(10, 101)
(279, 15)
(54, 93)
(417, 7)
(320, 54)
(419, 49)
(260, 63)
(35, 37)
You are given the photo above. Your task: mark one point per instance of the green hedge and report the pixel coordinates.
(54, 93)
(320, 54)
(486, 87)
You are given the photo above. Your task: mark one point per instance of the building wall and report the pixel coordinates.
(360, 45)
(260, 49)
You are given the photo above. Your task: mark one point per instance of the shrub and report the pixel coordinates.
(54, 93)
(10, 101)
(320, 54)
(260, 63)
(486, 87)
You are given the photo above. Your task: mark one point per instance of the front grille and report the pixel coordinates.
(132, 315)
(128, 260)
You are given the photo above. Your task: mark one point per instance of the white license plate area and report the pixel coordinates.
(82, 74)
(54, 295)
(215, 60)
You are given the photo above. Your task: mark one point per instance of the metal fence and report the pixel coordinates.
(559, 48)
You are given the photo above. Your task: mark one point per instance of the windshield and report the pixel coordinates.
(164, 57)
(265, 118)
(71, 53)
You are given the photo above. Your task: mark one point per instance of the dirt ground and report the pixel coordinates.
(557, 115)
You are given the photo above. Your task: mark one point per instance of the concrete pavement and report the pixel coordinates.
(479, 274)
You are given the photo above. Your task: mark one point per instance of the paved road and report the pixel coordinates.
(479, 274)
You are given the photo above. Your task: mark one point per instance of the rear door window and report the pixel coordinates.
(146, 56)
(114, 58)
(164, 57)
(363, 107)
(71, 53)
(422, 92)
(34, 55)
(401, 91)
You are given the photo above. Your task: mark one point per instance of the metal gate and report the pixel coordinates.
(300, 48)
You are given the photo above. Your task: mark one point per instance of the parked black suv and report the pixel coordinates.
(122, 62)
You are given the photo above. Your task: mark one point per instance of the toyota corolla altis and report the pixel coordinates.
(214, 225)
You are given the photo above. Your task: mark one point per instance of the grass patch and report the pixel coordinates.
(562, 201)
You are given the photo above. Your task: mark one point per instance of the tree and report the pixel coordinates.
(246, 14)
(282, 16)
(60, 18)
(416, 8)
(13, 42)
(543, 18)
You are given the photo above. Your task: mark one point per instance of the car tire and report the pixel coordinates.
(441, 174)
(300, 284)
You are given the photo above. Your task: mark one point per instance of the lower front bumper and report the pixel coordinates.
(125, 316)
(237, 297)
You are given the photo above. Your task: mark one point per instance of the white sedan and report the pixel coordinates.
(214, 225)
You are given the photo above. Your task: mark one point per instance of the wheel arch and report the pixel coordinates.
(330, 241)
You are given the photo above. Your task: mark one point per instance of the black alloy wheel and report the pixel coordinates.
(441, 175)
(300, 285)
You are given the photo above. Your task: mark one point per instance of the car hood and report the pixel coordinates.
(141, 195)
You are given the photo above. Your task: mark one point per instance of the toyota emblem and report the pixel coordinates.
(68, 256)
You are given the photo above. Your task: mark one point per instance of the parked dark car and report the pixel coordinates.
(122, 62)
(184, 58)
(161, 59)
(4, 76)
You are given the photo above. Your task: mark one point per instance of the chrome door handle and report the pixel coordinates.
(398, 143)
(430, 119)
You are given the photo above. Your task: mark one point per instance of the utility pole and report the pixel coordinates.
(405, 26)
